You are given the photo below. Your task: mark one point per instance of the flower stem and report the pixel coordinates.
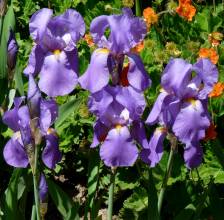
(111, 195)
(35, 185)
(173, 142)
(137, 8)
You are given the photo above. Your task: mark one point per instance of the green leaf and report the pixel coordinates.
(186, 213)
(10, 197)
(18, 79)
(64, 204)
(66, 109)
(93, 176)
(9, 22)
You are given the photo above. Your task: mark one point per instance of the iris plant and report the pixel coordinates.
(181, 108)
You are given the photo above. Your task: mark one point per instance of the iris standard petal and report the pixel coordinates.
(191, 122)
(38, 23)
(99, 102)
(157, 108)
(137, 75)
(97, 74)
(70, 22)
(118, 149)
(154, 153)
(48, 114)
(176, 76)
(138, 133)
(132, 100)
(58, 75)
(51, 154)
(14, 153)
(208, 73)
(10, 118)
(36, 60)
(193, 154)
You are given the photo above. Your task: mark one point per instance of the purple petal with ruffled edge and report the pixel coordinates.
(72, 23)
(14, 152)
(154, 153)
(43, 188)
(137, 75)
(99, 102)
(176, 76)
(132, 100)
(38, 23)
(36, 60)
(208, 73)
(191, 122)
(118, 149)
(58, 75)
(193, 154)
(48, 114)
(51, 154)
(157, 108)
(126, 31)
(97, 75)
(138, 133)
(100, 133)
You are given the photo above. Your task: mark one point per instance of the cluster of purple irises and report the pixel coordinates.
(116, 79)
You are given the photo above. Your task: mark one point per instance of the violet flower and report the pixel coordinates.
(12, 50)
(114, 59)
(54, 55)
(118, 126)
(181, 108)
(28, 125)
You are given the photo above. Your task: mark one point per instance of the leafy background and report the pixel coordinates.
(79, 184)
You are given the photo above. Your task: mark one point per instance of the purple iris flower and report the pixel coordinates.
(43, 188)
(114, 59)
(54, 55)
(30, 123)
(12, 50)
(118, 126)
(181, 108)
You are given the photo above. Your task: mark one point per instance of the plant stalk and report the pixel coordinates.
(35, 184)
(137, 8)
(111, 195)
(173, 142)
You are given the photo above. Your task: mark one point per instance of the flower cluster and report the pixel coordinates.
(181, 109)
(186, 9)
(116, 79)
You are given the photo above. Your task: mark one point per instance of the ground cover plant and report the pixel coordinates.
(111, 109)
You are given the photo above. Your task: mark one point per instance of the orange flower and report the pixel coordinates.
(89, 40)
(210, 133)
(150, 16)
(186, 9)
(209, 53)
(138, 48)
(217, 90)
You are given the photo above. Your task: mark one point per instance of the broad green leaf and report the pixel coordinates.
(9, 23)
(186, 213)
(64, 204)
(66, 109)
(18, 79)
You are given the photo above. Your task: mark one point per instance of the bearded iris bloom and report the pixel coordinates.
(181, 108)
(118, 126)
(114, 59)
(29, 126)
(54, 55)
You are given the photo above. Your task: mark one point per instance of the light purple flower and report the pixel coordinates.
(12, 50)
(54, 55)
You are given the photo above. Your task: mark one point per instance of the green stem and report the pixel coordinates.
(35, 185)
(111, 195)
(33, 217)
(137, 8)
(167, 174)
